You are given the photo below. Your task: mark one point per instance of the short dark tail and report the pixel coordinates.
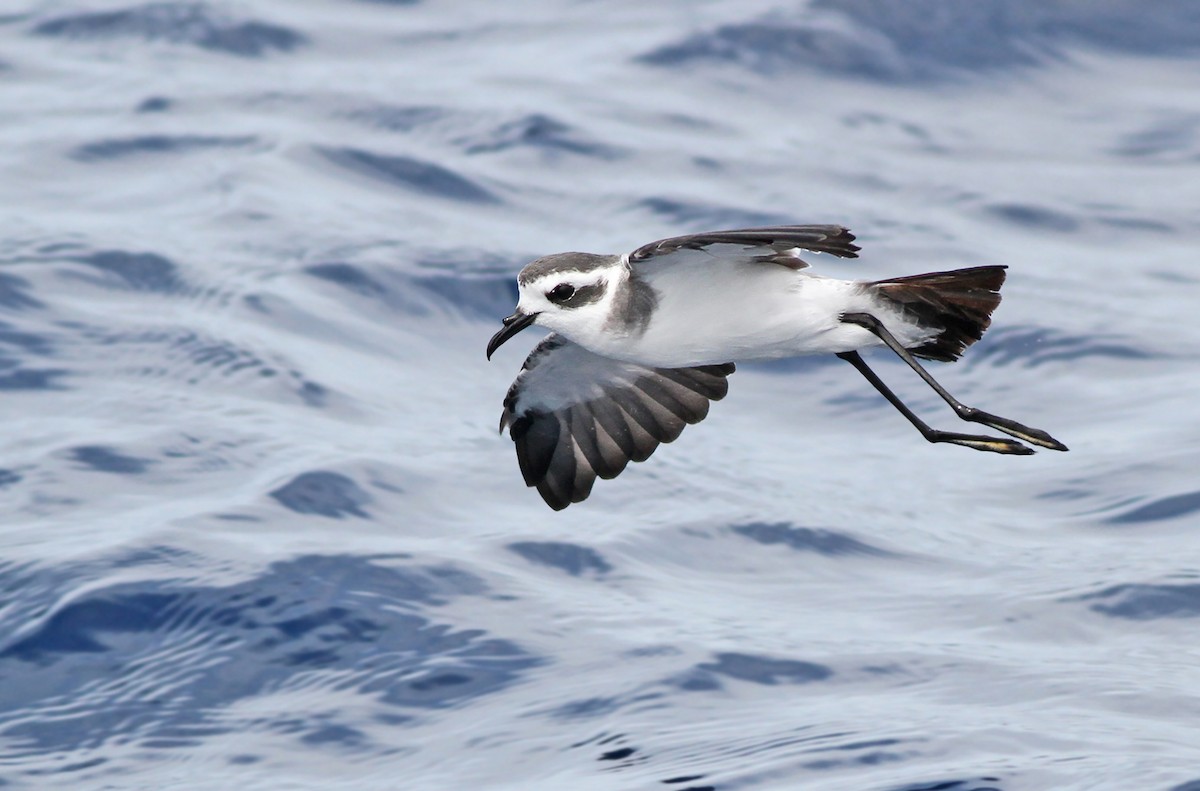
(959, 302)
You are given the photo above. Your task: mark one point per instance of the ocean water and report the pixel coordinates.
(257, 529)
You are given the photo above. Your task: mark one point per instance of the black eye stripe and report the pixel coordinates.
(572, 297)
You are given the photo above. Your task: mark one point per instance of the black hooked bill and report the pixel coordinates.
(512, 325)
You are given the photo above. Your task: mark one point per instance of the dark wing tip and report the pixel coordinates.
(833, 239)
(844, 241)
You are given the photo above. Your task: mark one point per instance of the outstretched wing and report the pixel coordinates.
(576, 416)
(780, 244)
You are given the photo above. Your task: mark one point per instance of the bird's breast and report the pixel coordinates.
(752, 312)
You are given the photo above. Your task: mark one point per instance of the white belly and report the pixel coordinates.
(754, 311)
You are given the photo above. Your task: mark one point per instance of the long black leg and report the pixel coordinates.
(968, 413)
(976, 441)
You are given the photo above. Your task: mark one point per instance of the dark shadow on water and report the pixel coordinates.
(619, 754)
(923, 41)
(409, 173)
(615, 754)
(396, 292)
(1033, 218)
(75, 628)
(1170, 507)
(154, 104)
(807, 539)
(772, 48)
(688, 779)
(341, 735)
(26, 342)
(574, 559)
(13, 373)
(32, 378)
(323, 493)
(1174, 136)
(534, 132)
(978, 784)
(14, 293)
(137, 271)
(586, 708)
(179, 23)
(538, 132)
(1137, 225)
(1138, 602)
(612, 749)
(897, 128)
(347, 276)
(120, 148)
(395, 118)
(765, 670)
(102, 458)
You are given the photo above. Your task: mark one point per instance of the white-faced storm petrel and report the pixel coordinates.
(641, 342)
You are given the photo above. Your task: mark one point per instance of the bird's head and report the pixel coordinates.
(569, 293)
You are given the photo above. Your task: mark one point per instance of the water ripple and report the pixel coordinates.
(249, 258)
(1145, 602)
(136, 271)
(191, 652)
(928, 40)
(539, 132)
(410, 173)
(177, 23)
(323, 493)
(806, 539)
(1169, 507)
(571, 558)
(704, 216)
(105, 459)
(1033, 347)
(119, 148)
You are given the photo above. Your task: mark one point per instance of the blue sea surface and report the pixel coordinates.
(257, 528)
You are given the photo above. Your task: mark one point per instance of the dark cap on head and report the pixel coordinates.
(564, 262)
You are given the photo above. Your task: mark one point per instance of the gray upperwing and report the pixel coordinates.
(775, 244)
(575, 416)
